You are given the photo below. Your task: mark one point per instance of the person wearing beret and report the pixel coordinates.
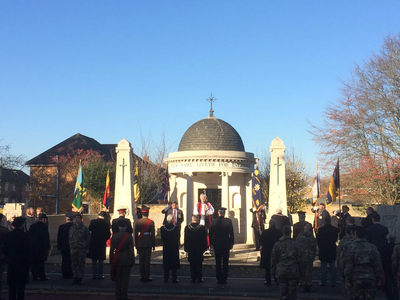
(63, 246)
(99, 234)
(114, 224)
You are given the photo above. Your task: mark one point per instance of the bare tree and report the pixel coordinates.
(11, 161)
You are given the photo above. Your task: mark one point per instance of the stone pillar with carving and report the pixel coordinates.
(277, 180)
(191, 200)
(124, 195)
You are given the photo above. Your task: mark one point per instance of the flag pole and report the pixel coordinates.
(340, 207)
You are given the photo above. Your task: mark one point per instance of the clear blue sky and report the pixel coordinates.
(113, 69)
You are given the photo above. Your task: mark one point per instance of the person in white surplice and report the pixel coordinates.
(205, 210)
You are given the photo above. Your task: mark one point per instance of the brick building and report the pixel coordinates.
(14, 186)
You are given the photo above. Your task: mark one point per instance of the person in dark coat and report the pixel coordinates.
(195, 241)
(267, 241)
(17, 249)
(125, 261)
(320, 214)
(170, 234)
(367, 221)
(63, 246)
(99, 234)
(145, 241)
(3, 231)
(222, 240)
(327, 236)
(377, 233)
(280, 219)
(258, 224)
(390, 282)
(30, 219)
(114, 225)
(40, 247)
(299, 226)
(175, 212)
(343, 220)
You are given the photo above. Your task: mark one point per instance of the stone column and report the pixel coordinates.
(124, 195)
(277, 181)
(190, 201)
(225, 191)
(246, 205)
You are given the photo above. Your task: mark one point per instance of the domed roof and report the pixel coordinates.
(211, 134)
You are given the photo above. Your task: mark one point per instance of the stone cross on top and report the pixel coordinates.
(211, 99)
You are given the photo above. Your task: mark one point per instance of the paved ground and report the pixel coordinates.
(246, 280)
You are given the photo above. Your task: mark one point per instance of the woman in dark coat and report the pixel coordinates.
(16, 248)
(170, 237)
(99, 235)
(267, 241)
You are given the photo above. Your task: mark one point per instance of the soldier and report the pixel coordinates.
(145, 240)
(99, 234)
(258, 224)
(299, 226)
(343, 220)
(175, 212)
(308, 249)
(363, 270)
(63, 246)
(40, 247)
(79, 242)
(122, 213)
(195, 245)
(285, 264)
(396, 265)
(341, 253)
(122, 246)
(170, 234)
(222, 240)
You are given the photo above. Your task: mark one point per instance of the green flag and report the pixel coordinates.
(80, 190)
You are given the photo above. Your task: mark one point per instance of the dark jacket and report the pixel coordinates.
(195, 241)
(267, 241)
(297, 228)
(63, 237)
(126, 255)
(321, 216)
(148, 239)
(17, 249)
(221, 234)
(281, 221)
(367, 221)
(170, 238)
(326, 238)
(343, 224)
(40, 241)
(99, 234)
(28, 223)
(376, 234)
(169, 211)
(115, 227)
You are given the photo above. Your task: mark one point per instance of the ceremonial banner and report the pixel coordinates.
(80, 190)
(106, 199)
(316, 187)
(334, 186)
(136, 191)
(256, 190)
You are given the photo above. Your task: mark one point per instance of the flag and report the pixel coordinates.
(136, 191)
(80, 190)
(316, 187)
(106, 199)
(256, 190)
(165, 186)
(334, 186)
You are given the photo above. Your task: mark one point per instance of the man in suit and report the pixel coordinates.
(377, 233)
(63, 246)
(327, 236)
(320, 215)
(126, 258)
(222, 240)
(99, 234)
(145, 240)
(280, 219)
(40, 247)
(122, 213)
(195, 245)
(299, 226)
(175, 212)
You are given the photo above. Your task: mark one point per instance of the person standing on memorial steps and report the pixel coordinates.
(145, 241)
(175, 212)
(280, 219)
(40, 247)
(285, 265)
(79, 242)
(122, 247)
(363, 270)
(122, 211)
(222, 240)
(17, 249)
(170, 235)
(99, 235)
(268, 239)
(63, 246)
(205, 210)
(307, 251)
(258, 224)
(195, 243)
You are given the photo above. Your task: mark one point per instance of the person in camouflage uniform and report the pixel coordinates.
(285, 264)
(396, 264)
(307, 251)
(79, 242)
(363, 270)
(341, 253)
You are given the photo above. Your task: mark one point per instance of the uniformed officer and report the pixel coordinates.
(79, 242)
(63, 246)
(122, 211)
(307, 251)
(145, 240)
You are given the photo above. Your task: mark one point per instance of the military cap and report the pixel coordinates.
(102, 214)
(145, 209)
(122, 208)
(69, 215)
